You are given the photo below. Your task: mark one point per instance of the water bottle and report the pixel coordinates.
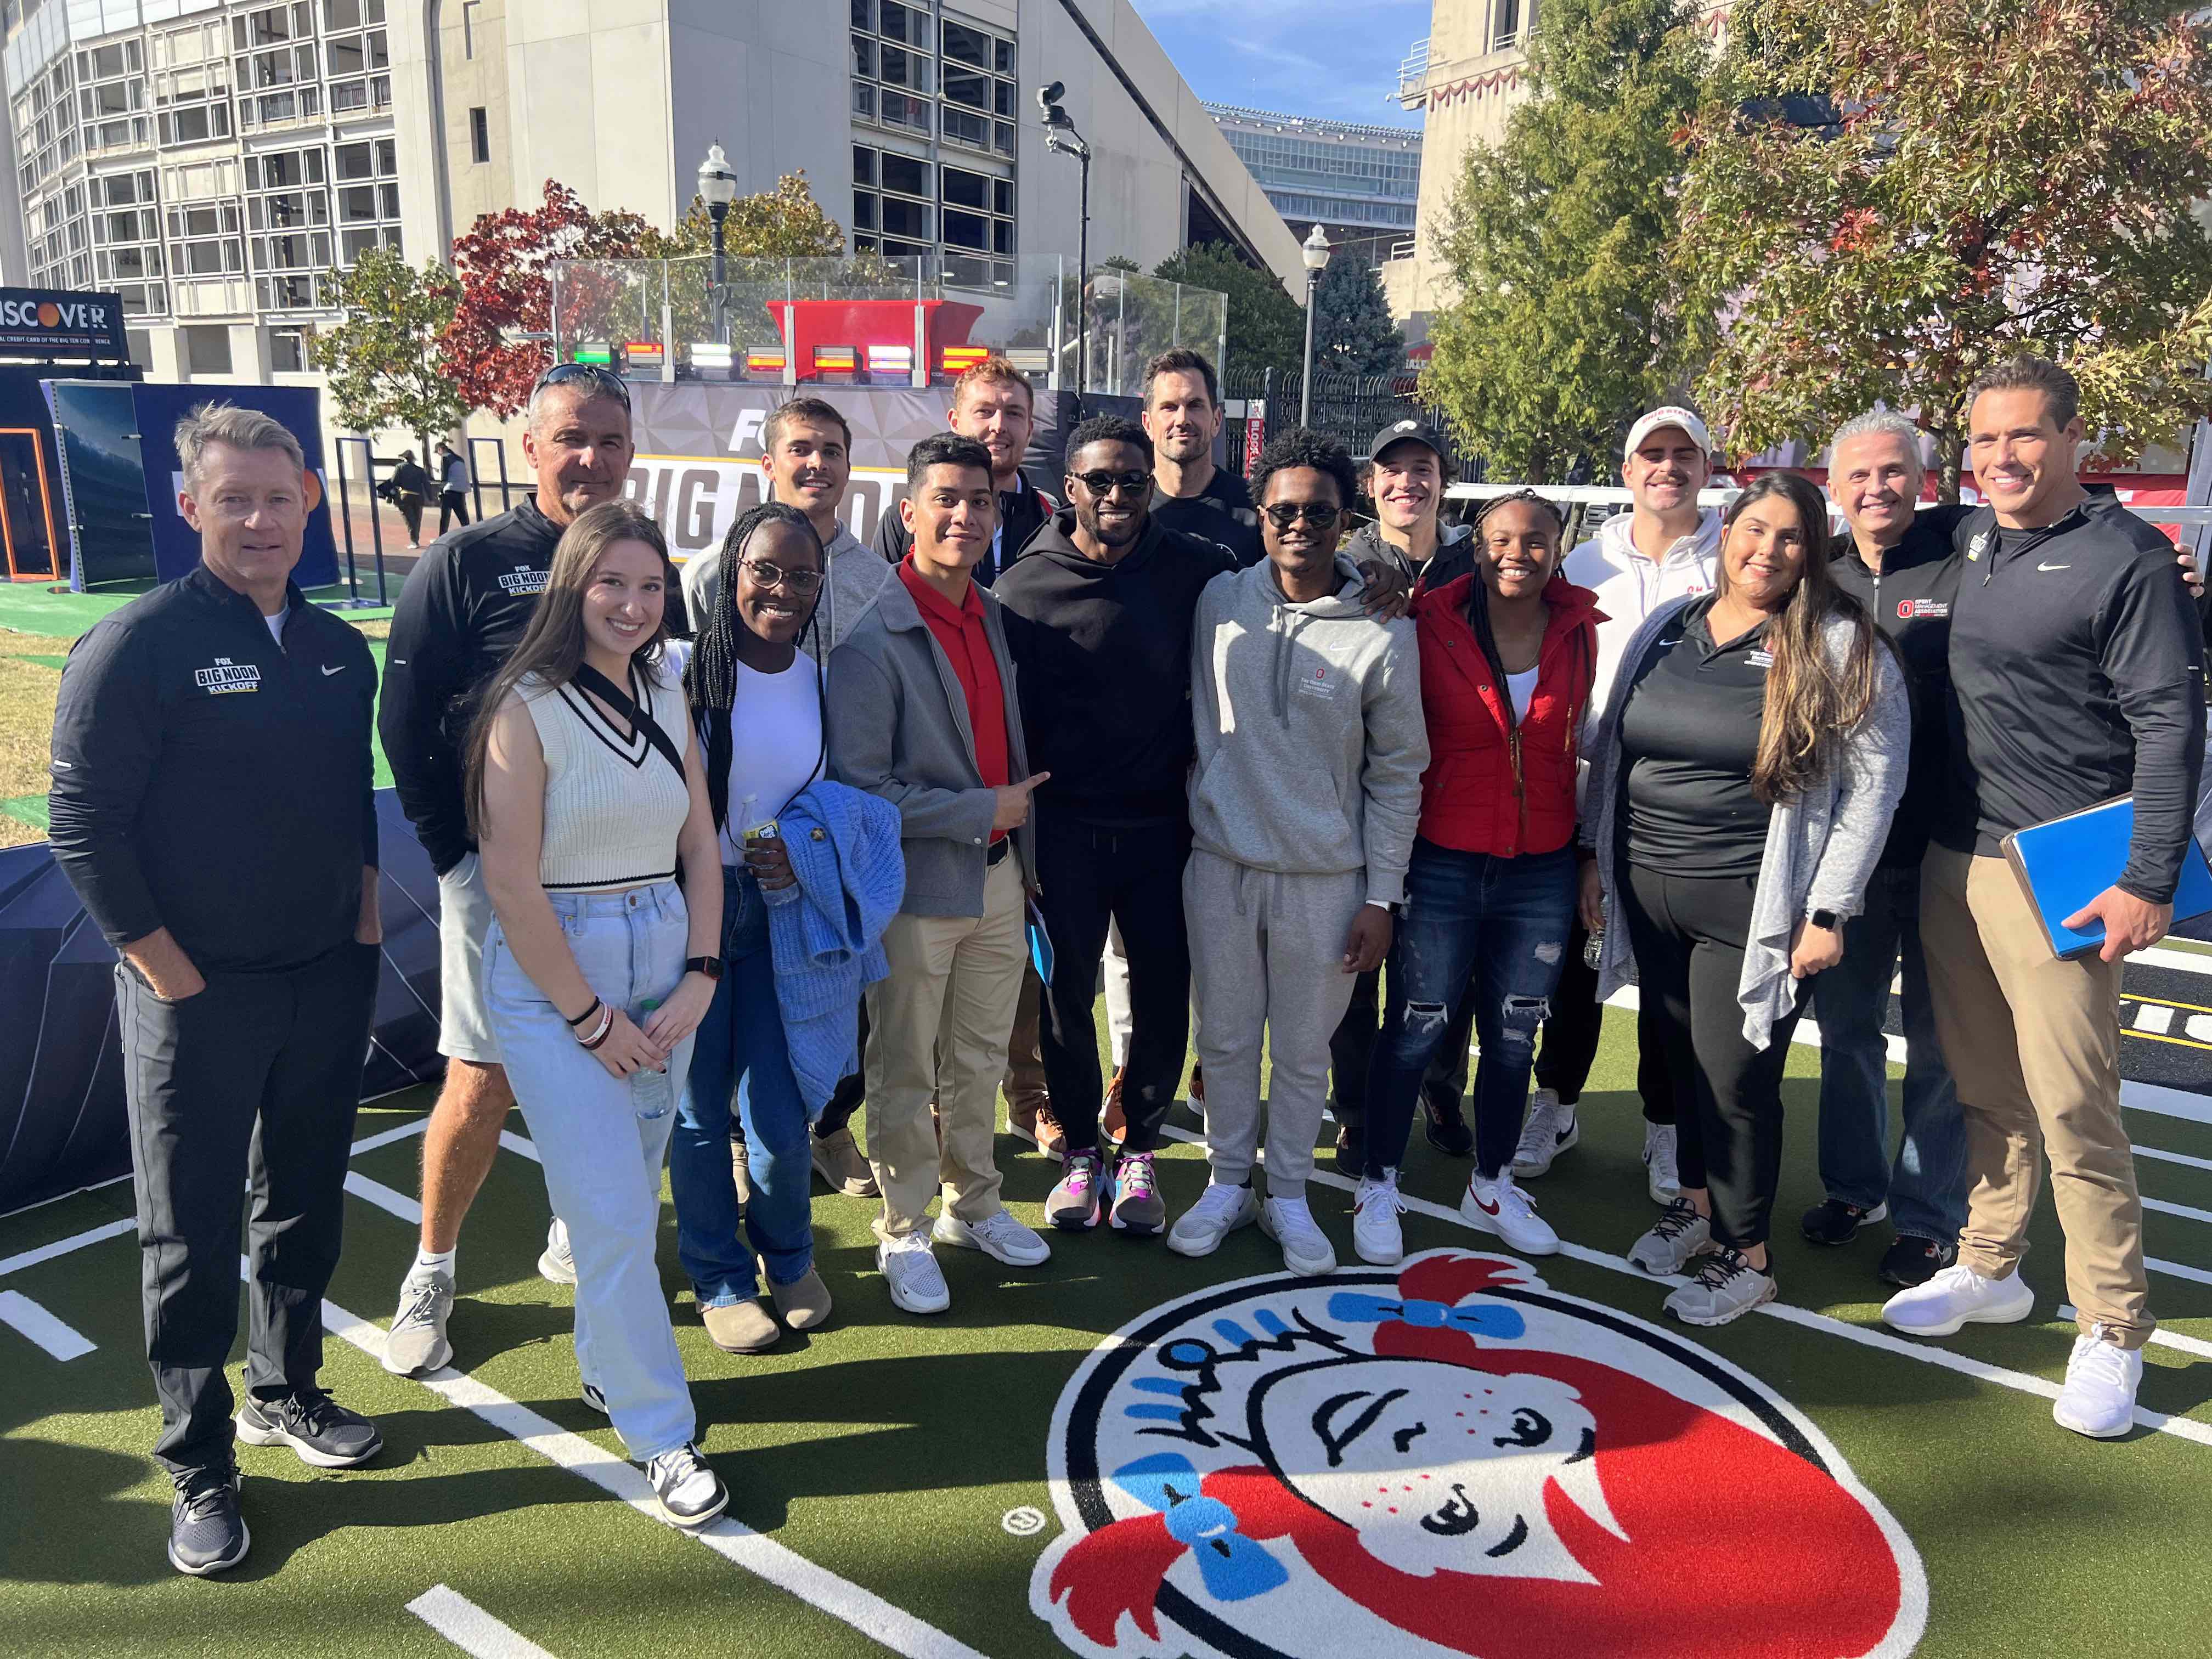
(651, 1092)
(1594, 949)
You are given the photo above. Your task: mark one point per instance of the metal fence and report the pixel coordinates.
(1350, 407)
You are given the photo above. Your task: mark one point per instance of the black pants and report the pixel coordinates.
(1571, 1039)
(1090, 877)
(1351, 1051)
(451, 504)
(254, 1078)
(411, 509)
(1689, 934)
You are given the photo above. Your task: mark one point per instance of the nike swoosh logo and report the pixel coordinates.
(397, 662)
(2054, 567)
(340, 669)
(64, 766)
(1487, 1209)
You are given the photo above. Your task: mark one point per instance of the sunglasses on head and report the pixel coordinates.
(1322, 515)
(1105, 484)
(603, 381)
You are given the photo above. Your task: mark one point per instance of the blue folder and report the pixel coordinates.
(2065, 863)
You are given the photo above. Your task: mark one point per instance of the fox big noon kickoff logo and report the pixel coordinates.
(1450, 1459)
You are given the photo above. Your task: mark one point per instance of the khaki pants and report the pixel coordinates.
(1024, 1084)
(954, 980)
(2034, 1043)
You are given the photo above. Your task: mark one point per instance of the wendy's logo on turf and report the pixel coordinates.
(1451, 1459)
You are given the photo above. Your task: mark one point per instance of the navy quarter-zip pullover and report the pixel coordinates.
(212, 781)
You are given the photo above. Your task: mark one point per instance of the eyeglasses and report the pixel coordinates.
(1103, 484)
(603, 381)
(775, 575)
(1322, 515)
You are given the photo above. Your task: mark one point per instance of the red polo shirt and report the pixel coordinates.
(959, 631)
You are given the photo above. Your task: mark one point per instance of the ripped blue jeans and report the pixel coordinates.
(1501, 924)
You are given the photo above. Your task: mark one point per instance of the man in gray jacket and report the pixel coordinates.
(922, 712)
(1302, 805)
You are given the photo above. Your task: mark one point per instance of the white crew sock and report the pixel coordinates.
(427, 1262)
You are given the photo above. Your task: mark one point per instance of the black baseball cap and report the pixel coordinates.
(1412, 430)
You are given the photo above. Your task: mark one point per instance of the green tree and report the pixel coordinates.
(2002, 175)
(783, 223)
(1266, 328)
(382, 356)
(1559, 328)
(1353, 331)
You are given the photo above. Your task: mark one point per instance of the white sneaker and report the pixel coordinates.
(1376, 1236)
(1958, 1296)
(1552, 1128)
(1676, 1237)
(690, 1493)
(1291, 1224)
(909, 1268)
(1661, 1175)
(998, 1235)
(1499, 1206)
(2100, 1396)
(1219, 1212)
(557, 1264)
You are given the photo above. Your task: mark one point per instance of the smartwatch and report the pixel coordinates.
(710, 966)
(1824, 918)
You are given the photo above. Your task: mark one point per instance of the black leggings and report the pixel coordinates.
(1689, 933)
(1571, 1039)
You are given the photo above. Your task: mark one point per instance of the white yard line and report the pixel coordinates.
(99, 1235)
(2171, 1158)
(2187, 1211)
(33, 1321)
(740, 1545)
(469, 1628)
(383, 1197)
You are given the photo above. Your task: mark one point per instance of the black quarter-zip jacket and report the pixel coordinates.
(1909, 599)
(464, 607)
(2077, 674)
(1222, 513)
(209, 780)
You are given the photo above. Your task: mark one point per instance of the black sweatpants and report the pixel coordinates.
(1351, 1050)
(1090, 876)
(451, 504)
(252, 1081)
(1571, 1034)
(1689, 934)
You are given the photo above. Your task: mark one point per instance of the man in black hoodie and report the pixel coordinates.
(1190, 494)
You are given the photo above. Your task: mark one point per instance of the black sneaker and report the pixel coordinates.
(1831, 1221)
(1350, 1149)
(1446, 1129)
(207, 1534)
(322, 1432)
(1911, 1261)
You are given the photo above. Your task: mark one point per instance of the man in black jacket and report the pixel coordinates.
(212, 805)
(1190, 494)
(2076, 674)
(993, 403)
(464, 607)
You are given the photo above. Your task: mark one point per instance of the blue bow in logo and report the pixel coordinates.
(1234, 1568)
(1485, 1319)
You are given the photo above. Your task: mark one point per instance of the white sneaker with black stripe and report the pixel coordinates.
(1552, 1128)
(690, 1493)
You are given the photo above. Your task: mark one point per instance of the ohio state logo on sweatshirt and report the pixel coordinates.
(1451, 1459)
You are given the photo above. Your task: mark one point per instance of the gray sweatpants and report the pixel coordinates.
(1266, 962)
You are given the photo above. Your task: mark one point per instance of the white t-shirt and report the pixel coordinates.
(277, 624)
(775, 746)
(1522, 688)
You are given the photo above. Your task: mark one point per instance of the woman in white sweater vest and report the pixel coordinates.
(588, 793)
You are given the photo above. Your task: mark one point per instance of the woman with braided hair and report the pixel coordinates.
(1508, 652)
(754, 693)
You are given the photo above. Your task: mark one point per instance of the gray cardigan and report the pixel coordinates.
(1820, 846)
(899, 728)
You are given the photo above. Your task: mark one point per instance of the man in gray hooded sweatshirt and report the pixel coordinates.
(1302, 802)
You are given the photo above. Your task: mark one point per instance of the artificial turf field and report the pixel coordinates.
(890, 1475)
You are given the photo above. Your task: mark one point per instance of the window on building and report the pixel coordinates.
(479, 135)
(288, 351)
(139, 342)
(1507, 30)
(207, 348)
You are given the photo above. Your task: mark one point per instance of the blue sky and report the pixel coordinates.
(1337, 59)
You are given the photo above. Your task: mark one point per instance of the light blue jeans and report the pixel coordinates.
(602, 1161)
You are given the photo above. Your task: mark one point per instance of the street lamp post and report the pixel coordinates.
(718, 188)
(1314, 251)
(1062, 137)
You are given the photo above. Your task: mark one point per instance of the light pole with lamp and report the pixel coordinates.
(718, 188)
(1062, 137)
(1314, 251)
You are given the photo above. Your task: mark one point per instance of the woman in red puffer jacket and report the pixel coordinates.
(1508, 656)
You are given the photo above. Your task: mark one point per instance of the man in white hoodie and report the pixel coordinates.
(1303, 803)
(1662, 548)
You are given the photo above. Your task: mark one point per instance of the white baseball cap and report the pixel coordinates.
(1668, 414)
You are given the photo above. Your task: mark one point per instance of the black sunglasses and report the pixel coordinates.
(603, 380)
(1320, 514)
(1102, 484)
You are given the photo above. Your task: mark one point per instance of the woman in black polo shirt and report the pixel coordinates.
(1742, 785)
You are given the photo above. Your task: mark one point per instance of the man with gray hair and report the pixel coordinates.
(213, 806)
(464, 607)
(1898, 563)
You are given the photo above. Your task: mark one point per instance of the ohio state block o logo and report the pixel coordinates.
(1451, 1459)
